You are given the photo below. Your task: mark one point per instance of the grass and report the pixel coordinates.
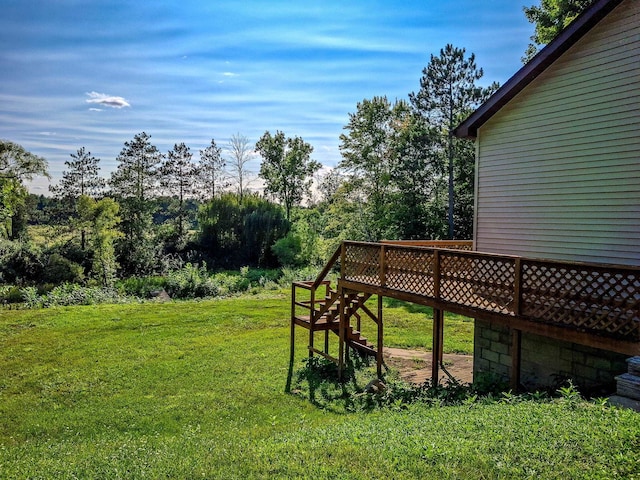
(196, 390)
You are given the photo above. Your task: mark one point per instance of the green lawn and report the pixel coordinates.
(196, 390)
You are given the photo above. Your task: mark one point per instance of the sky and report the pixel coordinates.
(95, 73)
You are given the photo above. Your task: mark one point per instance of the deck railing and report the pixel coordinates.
(603, 300)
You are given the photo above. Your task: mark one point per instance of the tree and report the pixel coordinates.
(102, 218)
(240, 154)
(550, 18)
(234, 234)
(80, 178)
(211, 177)
(368, 156)
(17, 165)
(133, 184)
(286, 168)
(178, 176)
(415, 173)
(448, 93)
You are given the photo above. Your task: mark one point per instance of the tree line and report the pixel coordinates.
(403, 175)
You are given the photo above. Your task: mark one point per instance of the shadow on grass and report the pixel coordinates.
(408, 306)
(318, 381)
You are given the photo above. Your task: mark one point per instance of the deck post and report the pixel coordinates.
(293, 322)
(436, 350)
(312, 320)
(516, 359)
(379, 354)
(383, 266)
(342, 334)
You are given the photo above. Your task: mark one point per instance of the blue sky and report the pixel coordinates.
(94, 73)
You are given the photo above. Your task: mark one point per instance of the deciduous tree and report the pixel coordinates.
(550, 18)
(368, 157)
(286, 168)
(240, 154)
(102, 219)
(17, 165)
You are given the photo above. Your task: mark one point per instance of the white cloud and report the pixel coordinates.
(95, 109)
(107, 100)
(229, 74)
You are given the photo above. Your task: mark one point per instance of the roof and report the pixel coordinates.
(538, 64)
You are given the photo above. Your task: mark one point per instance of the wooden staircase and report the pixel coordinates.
(326, 317)
(328, 309)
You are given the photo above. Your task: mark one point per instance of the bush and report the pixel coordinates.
(288, 250)
(191, 281)
(10, 294)
(141, 287)
(70, 294)
(20, 262)
(62, 270)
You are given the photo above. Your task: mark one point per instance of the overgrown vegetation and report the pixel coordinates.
(196, 389)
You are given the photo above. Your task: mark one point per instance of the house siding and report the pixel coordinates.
(558, 172)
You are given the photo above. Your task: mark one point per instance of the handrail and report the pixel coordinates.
(329, 265)
(451, 244)
(598, 298)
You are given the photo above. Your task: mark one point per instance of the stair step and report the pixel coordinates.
(624, 402)
(360, 340)
(363, 348)
(634, 366)
(628, 386)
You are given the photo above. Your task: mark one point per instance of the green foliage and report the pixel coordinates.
(448, 94)
(62, 270)
(234, 233)
(210, 173)
(17, 165)
(286, 168)
(288, 250)
(368, 156)
(101, 217)
(304, 245)
(191, 281)
(550, 18)
(81, 176)
(178, 176)
(133, 183)
(20, 261)
(68, 294)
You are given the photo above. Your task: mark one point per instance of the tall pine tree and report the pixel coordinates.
(133, 184)
(448, 93)
(211, 175)
(177, 178)
(80, 178)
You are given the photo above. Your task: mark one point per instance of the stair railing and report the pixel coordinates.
(312, 287)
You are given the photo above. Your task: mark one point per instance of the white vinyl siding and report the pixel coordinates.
(558, 172)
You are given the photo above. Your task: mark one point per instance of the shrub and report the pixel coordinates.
(62, 270)
(288, 250)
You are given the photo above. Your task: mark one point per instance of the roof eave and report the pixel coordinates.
(538, 64)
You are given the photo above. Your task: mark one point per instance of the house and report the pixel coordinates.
(558, 175)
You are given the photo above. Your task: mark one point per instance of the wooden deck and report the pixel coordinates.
(589, 304)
